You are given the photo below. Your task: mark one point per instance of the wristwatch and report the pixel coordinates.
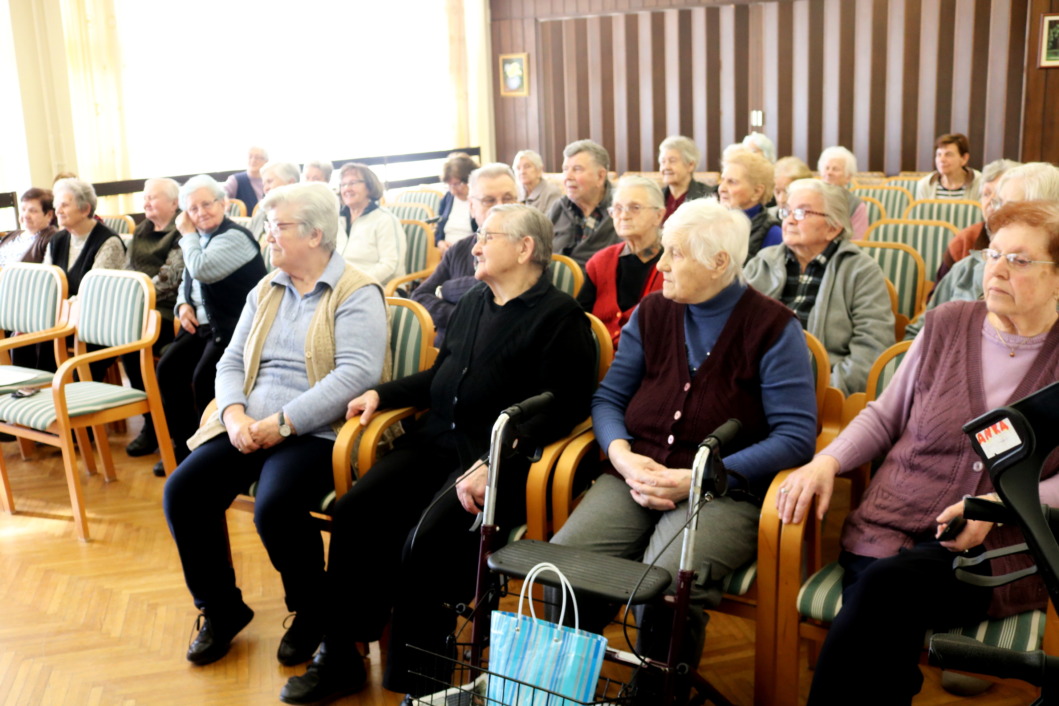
(284, 428)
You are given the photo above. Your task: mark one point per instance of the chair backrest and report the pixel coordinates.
(876, 211)
(883, 369)
(906, 182)
(411, 337)
(31, 297)
(928, 238)
(604, 346)
(425, 197)
(411, 211)
(959, 212)
(566, 274)
(113, 306)
(904, 267)
(243, 221)
(236, 208)
(821, 365)
(420, 243)
(122, 225)
(894, 199)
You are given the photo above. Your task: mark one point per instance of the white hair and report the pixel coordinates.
(841, 152)
(836, 202)
(533, 157)
(761, 142)
(708, 229)
(202, 181)
(315, 205)
(684, 146)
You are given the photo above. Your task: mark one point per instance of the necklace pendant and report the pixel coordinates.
(1011, 354)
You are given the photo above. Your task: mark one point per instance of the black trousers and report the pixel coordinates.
(402, 550)
(186, 376)
(871, 654)
(292, 477)
(131, 361)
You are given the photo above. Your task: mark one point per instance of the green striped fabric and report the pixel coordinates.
(887, 374)
(38, 411)
(928, 240)
(901, 268)
(821, 599)
(960, 215)
(30, 296)
(117, 224)
(562, 277)
(39, 379)
(905, 183)
(113, 308)
(410, 212)
(739, 581)
(406, 341)
(416, 234)
(430, 199)
(874, 212)
(894, 201)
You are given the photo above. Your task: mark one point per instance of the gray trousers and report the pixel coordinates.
(610, 522)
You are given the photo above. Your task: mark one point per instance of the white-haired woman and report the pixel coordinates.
(707, 348)
(533, 189)
(83, 243)
(746, 185)
(837, 291)
(620, 275)
(318, 170)
(677, 158)
(311, 336)
(760, 143)
(371, 238)
(273, 175)
(837, 166)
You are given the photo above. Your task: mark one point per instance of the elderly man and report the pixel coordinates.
(248, 186)
(29, 243)
(677, 158)
(222, 263)
(533, 189)
(1034, 181)
(489, 185)
(273, 174)
(155, 251)
(582, 224)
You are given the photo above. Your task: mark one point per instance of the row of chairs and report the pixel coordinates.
(898, 202)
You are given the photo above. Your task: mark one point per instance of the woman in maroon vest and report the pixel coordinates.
(705, 349)
(620, 275)
(898, 578)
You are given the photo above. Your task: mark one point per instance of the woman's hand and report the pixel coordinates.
(631, 465)
(471, 488)
(816, 478)
(265, 432)
(663, 489)
(184, 224)
(443, 246)
(188, 321)
(239, 426)
(365, 406)
(972, 534)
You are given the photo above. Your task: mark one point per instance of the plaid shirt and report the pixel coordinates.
(799, 293)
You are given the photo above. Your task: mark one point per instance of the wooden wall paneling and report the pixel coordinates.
(864, 70)
(910, 82)
(800, 78)
(620, 154)
(1036, 85)
(944, 40)
(632, 90)
(817, 46)
(702, 75)
(994, 78)
(594, 86)
(606, 82)
(1013, 132)
(726, 77)
(754, 65)
(531, 40)
(846, 84)
(741, 68)
(553, 98)
(712, 153)
(979, 85)
(876, 100)
(685, 87)
(895, 88)
(781, 121)
(928, 85)
(654, 25)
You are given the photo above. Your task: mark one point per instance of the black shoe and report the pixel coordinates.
(328, 677)
(144, 444)
(300, 641)
(159, 469)
(216, 633)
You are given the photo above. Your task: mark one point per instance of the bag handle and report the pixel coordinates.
(564, 583)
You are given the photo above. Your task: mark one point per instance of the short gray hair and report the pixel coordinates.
(490, 171)
(202, 181)
(169, 186)
(1040, 180)
(709, 229)
(371, 181)
(595, 150)
(520, 221)
(996, 169)
(684, 146)
(838, 151)
(286, 171)
(533, 157)
(324, 165)
(836, 202)
(83, 193)
(316, 208)
(654, 192)
(761, 142)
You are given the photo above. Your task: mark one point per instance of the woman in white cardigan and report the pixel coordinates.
(370, 237)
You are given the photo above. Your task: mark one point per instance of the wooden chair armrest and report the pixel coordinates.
(371, 435)
(342, 455)
(831, 422)
(538, 480)
(43, 336)
(393, 284)
(565, 472)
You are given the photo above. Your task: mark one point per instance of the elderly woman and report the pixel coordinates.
(84, 243)
(370, 237)
(677, 158)
(155, 251)
(760, 143)
(787, 169)
(311, 335)
(619, 276)
(318, 170)
(222, 263)
(837, 166)
(746, 185)
(273, 174)
(512, 336)
(976, 236)
(455, 220)
(30, 243)
(533, 189)
(898, 578)
(248, 186)
(706, 349)
(837, 291)
(952, 178)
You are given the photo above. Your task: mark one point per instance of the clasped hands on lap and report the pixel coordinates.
(248, 434)
(651, 484)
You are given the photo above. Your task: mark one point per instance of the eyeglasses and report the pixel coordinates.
(485, 236)
(995, 203)
(798, 213)
(202, 207)
(1014, 259)
(490, 201)
(273, 227)
(350, 184)
(633, 210)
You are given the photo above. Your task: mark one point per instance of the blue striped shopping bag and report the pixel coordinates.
(547, 656)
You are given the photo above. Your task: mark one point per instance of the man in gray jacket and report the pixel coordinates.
(582, 222)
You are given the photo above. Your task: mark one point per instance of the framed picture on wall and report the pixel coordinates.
(514, 74)
(1049, 41)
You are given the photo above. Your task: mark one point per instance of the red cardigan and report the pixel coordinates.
(602, 269)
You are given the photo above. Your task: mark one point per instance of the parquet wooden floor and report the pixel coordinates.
(108, 622)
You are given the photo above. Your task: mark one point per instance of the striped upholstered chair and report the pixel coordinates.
(928, 238)
(894, 199)
(959, 212)
(566, 274)
(427, 197)
(115, 310)
(32, 303)
(905, 267)
(421, 255)
(803, 610)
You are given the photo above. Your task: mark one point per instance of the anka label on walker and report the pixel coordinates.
(997, 438)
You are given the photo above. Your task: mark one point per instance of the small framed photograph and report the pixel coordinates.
(1049, 41)
(514, 74)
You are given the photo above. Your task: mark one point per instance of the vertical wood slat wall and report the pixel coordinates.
(882, 77)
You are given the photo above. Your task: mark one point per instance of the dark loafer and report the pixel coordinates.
(329, 676)
(215, 634)
(300, 641)
(144, 444)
